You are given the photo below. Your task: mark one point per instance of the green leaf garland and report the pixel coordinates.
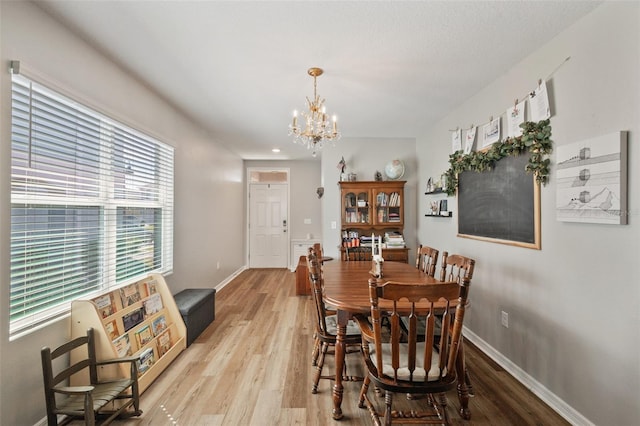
(535, 139)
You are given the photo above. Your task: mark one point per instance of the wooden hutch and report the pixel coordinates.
(374, 207)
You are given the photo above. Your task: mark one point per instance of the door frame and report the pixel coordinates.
(247, 231)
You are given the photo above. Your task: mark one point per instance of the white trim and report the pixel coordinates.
(230, 278)
(537, 388)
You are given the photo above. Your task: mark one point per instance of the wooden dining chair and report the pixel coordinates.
(326, 325)
(455, 267)
(426, 259)
(94, 399)
(423, 365)
(317, 249)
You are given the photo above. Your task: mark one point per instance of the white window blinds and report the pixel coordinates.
(91, 204)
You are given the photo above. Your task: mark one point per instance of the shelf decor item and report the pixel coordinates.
(394, 170)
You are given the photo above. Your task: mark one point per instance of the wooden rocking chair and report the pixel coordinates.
(90, 401)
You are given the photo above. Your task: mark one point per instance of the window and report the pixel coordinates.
(91, 204)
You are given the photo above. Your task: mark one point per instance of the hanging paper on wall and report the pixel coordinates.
(515, 117)
(491, 132)
(539, 103)
(456, 140)
(470, 138)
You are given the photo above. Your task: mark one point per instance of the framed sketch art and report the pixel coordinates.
(592, 180)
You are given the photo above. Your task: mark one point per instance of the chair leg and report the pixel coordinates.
(89, 414)
(316, 350)
(388, 400)
(316, 379)
(363, 391)
(467, 380)
(135, 395)
(442, 400)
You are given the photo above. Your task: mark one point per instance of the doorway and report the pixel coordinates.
(268, 218)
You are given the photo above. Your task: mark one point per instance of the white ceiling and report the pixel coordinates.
(392, 68)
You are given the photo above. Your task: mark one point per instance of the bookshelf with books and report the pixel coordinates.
(140, 320)
(373, 207)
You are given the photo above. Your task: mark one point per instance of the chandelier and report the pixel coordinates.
(317, 129)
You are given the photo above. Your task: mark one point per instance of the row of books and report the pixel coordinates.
(391, 200)
(129, 295)
(143, 335)
(146, 358)
(150, 307)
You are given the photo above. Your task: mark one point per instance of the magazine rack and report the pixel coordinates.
(140, 319)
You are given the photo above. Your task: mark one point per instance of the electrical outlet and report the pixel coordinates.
(307, 221)
(505, 319)
(218, 265)
(334, 224)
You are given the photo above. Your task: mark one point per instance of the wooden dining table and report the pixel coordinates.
(346, 287)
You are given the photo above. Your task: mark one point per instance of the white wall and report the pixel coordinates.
(574, 305)
(365, 156)
(209, 183)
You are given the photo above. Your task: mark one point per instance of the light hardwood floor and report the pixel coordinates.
(252, 366)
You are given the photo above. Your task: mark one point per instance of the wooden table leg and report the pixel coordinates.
(338, 389)
(463, 388)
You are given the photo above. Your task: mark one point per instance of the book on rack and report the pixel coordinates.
(123, 345)
(144, 336)
(151, 286)
(145, 360)
(164, 342)
(132, 318)
(112, 329)
(129, 295)
(106, 305)
(159, 325)
(153, 304)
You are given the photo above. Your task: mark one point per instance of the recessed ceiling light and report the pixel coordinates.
(275, 150)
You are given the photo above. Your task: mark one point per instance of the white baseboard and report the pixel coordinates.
(230, 278)
(551, 399)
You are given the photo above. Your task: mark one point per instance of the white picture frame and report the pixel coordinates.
(591, 179)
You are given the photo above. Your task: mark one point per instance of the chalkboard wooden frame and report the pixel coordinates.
(501, 205)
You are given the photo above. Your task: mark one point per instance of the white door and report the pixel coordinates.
(268, 226)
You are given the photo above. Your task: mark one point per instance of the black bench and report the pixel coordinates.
(198, 309)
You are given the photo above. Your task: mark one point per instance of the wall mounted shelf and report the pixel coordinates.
(447, 214)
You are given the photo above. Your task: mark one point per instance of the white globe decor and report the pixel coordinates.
(394, 170)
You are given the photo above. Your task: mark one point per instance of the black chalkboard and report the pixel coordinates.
(501, 205)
